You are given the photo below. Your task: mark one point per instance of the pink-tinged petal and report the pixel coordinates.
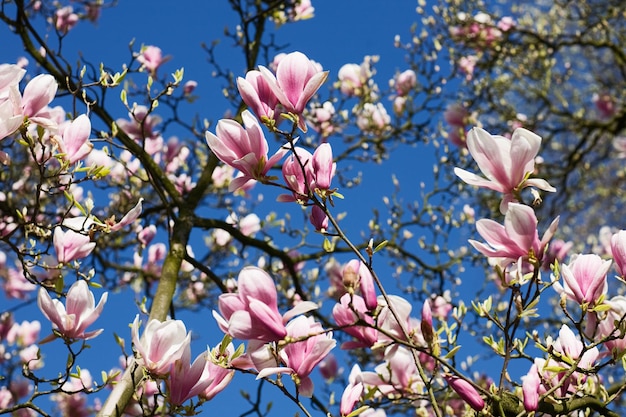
(271, 81)
(351, 395)
(466, 391)
(268, 324)
(520, 224)
(541, 184)
(240, 182)
(38, 93)
(530, 389)
(493, 232)
(323, 166)
(253, 282)
(240, 326)
(10, 74)
(258, 95)
(48, 308)
(306, 388)
(368, 287)
(300, 308)
(221, 322)
(547, 236)
(229, 303)
(275, 370)
(79, 298)
(477, 180)
(524, 148)
(129, 217)
(618, 251)
(491, 153)
(76, 137)
(310, 89)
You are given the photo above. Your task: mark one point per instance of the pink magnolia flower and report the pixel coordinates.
(243, 149)
(318, 219)
(298, 175)
(38, 93)
(66, 19)
(351, 395)
(189, 87)
(544, 374)
(252, 313)
(161, 345)
(466, 391)
(356, 273)
(24, 334)
(10, 76)
(129, 217)
(390, 325)
(302, 10)
(530, 389)
(351, 79)
(151, 58)
(607, 327)
(505, 162)
(373, 118)
(258, 96)
(80, 311)
(185, 378)
(301, 356)
(618, 250)
(75, 144)
(405, 82)
(329, 368)
(323, 168)
(557, 251)
(517, 238)
(297, 79)
(584, 279)
(350, 310)
(71, 245)
(217, 370)
(11, 117)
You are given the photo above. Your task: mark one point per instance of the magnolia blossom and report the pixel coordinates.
(609, 326)
(517, 238)
(318, 219)
(151, 58)
(352, 394)
(466, 391)
(66, 19)
(301, 356)
(161, 345)
(75, 144)
(297, 79)
(323, 169)
(80, 311)
(505, 162)
(547, 375)
(584, 279)
(356, 274)
(258, 96)
(404, 82)
(185, 378)
(252, 313)
(373, 118)
(71, 245)
(350, 310)
(618, 251)
(243, 149)
(298, 175)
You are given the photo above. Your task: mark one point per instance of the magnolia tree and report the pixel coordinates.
(395, 316)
